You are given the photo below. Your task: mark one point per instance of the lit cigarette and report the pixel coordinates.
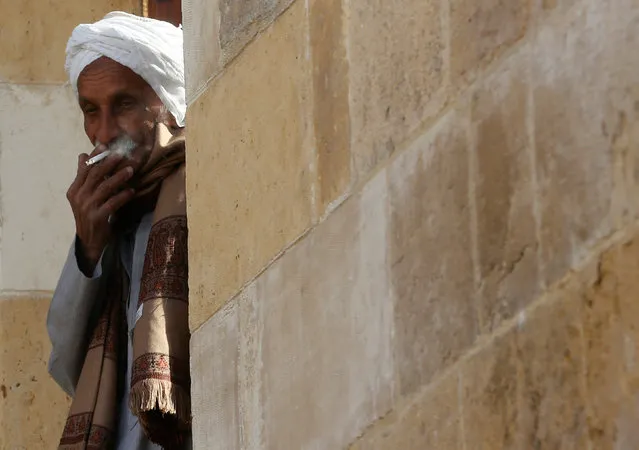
(97, 158)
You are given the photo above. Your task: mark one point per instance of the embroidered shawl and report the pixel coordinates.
(160, 382)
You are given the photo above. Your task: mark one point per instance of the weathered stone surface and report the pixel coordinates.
(40, 137)
(226, 374)
(250, 153)
(627, 433)
(33, 35)
(527, 389)
(33, 408)
(397, 74)
(506, 226)
(551, 5)
(303, 355)
(313, 368)
(625, 265)
(202, 52)
(326, 336)
(621, 124)
(431, 421)
(482, 30)
(489, 396)
(330, 99)
(552, 393)
(431, 263)
(573, 153)
(249, 370)
(241, 21)
(214, 392)
(576, 367)
(612, 344)
(214, 360)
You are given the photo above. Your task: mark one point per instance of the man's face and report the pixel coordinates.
(118, 104)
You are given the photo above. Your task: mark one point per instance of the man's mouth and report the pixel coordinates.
(122, 145)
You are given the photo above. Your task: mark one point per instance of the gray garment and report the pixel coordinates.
(73, 308)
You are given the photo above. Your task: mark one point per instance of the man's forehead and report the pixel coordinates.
(105, 76)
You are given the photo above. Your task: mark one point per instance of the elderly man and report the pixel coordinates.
(118, 319)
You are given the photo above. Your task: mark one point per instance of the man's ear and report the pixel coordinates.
(169, 120)
(172, 124)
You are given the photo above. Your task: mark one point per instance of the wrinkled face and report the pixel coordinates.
(119, 108)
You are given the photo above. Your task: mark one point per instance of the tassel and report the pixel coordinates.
(161, 396)
(164, 411)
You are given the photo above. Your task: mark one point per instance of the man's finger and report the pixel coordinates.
(116, 202)
(99, 171)
(111, 185)
(81, 174)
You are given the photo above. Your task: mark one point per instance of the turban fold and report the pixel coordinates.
(150, 48)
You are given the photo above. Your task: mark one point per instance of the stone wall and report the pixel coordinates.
(413, 226)
(40, 137)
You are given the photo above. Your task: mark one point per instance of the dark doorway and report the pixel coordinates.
(168, 10)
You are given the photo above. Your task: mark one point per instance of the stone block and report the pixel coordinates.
(431, 260)
(553, 5)
(627, 433)
(552, 397)
(41, 135)
(242, 21)
(330, 100)
(327, 324)
(626, 267)
(620, 126)
(430, 421)
(574, 161)
(504, 193)
(34, 35)
(33, 409)
(202, 52)
(249, 178)
(480, 31)
(397, 74)
(214, 392)
(303, 355)
(611, 338)
(526, 389)
(489, 396)
(249, 369)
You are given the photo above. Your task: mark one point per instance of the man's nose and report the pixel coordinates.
(108, 129)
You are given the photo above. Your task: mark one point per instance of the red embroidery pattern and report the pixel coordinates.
(99, 334)
(75, 430)
(161, 367)
(165, 272)
(107, 329)
(100, 438)
(111, 343)
(106, 333)
(80, 429)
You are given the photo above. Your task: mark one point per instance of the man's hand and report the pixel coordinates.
(95, 194)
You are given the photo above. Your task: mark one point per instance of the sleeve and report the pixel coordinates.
(68, 320)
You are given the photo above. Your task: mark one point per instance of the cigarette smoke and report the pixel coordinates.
(123, 145)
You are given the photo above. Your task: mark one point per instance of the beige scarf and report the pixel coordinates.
(160, 382)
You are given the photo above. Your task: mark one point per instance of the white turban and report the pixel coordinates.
(151, 48)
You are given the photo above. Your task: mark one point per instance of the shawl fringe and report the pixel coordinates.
(163, 396)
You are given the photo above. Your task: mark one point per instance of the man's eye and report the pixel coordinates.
(127, 104)
(90, 111)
